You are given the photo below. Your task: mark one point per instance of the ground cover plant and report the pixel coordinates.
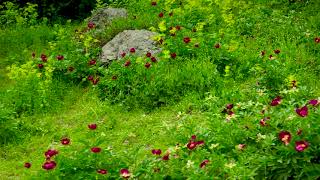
(234, 94)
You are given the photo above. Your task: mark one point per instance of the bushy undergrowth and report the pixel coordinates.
(245, 73)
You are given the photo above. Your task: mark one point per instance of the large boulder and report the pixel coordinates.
(141, 40)
(104, 16)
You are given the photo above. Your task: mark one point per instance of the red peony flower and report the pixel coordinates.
(262, 53)
(50, 153)
(65, 141)
(173, 55)
(49, 165)
(95, 81)
(147, 65)
(33, 55)
(204, 163)
(191, 145)
(114, 77)
(132, 50)
(125, 173)
(123, 54)
(160, 15)
(285, 137)
(217, 46)
(95, 149)
(153, 3)
(127, 63)
(271, 57)
(314, 102)
(301, 145)
(277, 51)
(92, 126)
(241, 146)
(92, 62)
(178, 28)
(40, 66)
(186, 40)
(102, 171)
(91, 25)
(193, 137)
(317, 40)
(156, 151)
(27, 165)
(263, 122)
(44, 58)
(60, 57)
(153, 59)
(303, 112)
(229, 106)
(166, 157)
(90, 78)
(276, 101)
(148, 54)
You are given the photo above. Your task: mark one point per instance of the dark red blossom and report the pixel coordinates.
(229, 106)
(127, 63)
(92, 126)
(160, 15)
(262, 53)
(123, 54)
(65, 141)
(217, 46)
(95, 81)
(95, 149)
(91, 25)
(276, 101)
(314, 102)
(317, 40)
(125, 173)
(44, 58)
(147, 65)
(40, 66)
(193, 137)
(153, 3)
(277, 51)
(301, 145)
(285, 137)
(156, 151)
(191, 145)
(50, 153)
(92, 62)
(60, 57)
(33, 55)
(186, 40)
(241, 146)
(166, 157)
(303, 112)
(154, 59)
(148, 54)
(204, 163)
(173, 55)
(27, 165)
(102, 171)
(48, 165)
(114, 77)
(132, 50)
(178, 28)
(90, 78)
(264, 120)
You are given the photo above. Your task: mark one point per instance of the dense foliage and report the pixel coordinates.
(234, 94)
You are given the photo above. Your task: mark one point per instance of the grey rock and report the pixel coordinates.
(141, 40)
(104, 16)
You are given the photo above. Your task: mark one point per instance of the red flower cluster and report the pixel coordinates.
(50, 164)
(156, 151)
(60, 57)
(303, 112)
(317, 40)
(193, 143)
(65, 141)
(186, 40)
(91, 25)
(276, 101)
(285, 137)
(125, 173)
